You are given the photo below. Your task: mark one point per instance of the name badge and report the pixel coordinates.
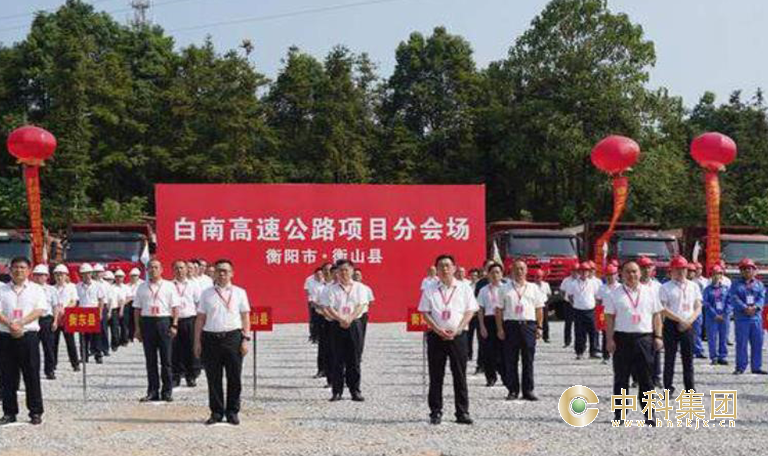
(686, 307)
(636, 319)
(154, 310)
(750, 300)
(17, 314)
(518, 309)
(445, 315)
(719, 304)
(346, 310)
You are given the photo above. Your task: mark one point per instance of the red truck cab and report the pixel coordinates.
(736, 243)
(116, 246)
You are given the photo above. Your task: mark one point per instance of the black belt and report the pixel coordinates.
(221, 335)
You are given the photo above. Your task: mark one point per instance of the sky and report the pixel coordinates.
(701, 45)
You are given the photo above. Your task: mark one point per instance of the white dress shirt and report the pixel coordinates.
(18, 302)
(156, 299)
(223, 307)
(633, 310)
(448, 304)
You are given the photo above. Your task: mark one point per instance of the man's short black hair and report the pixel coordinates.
(445, 256)
(20, 259)
(344, 261)
(496, 265)
(223, 261)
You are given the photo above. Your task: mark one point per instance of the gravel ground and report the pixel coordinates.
(291, 416)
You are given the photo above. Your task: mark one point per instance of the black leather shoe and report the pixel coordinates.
(99, 360)
(435, 419)
(335, 398)
(213, 419)
(51, 376)
(512, 395)
(594, 356)
(191, 382)
(76, 368)
(233, 419)
(35, 420)
(490, 383)
(150, 398)
(738, 372)
(167, 398)
(530, 397)
(760, 372)
(464, 419)
(722, 362)
(7, 419)
(176, 382)
(357, 397)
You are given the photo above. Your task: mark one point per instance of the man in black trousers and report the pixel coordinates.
(183, 356)
(448, 306)
(221, 340)
(156, 312)
(344, 302)
(21, 305)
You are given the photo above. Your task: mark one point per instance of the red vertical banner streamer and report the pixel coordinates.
(32, 178)
(620, 193)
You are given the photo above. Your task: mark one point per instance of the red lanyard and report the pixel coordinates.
(155, 293)
(181, 291)
(633, 302)
(494, 292)
(683, 290)
(583, 286)
(20, 292)
(519, 294)
(227, 301)
(447, 303)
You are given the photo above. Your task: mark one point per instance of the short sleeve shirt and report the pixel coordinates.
(89, 295)
(18, 302)
(584, 293)
(67, 294)
(223, 307)
(520, 302)
(189, 296)
(156, 300)
(448, 304)
(680, 298)
(633, 310)
(342, 301)
(489, 298)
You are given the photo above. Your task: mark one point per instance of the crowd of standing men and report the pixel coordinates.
(197, 320)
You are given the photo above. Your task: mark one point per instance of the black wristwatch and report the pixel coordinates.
(655, 336)
(246, 337)
(174, 326)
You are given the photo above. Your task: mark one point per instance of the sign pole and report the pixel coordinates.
(255, 333)
(82, 360)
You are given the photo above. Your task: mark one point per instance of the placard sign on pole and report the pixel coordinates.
(416, 322)
(261, 320)
(83, 321)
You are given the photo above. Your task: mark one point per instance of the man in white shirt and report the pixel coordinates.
(518, 319)
(323, 325)
(183, 351)
(91, 295)
(156, 314)
(681, 300)
(221, 340)
(565, 288)
(491, 349)
(134, 280)
(98, 279)
(583, 294)
(47, 321)
(695, 272)
(122, 296)
(611, 284)
(114, 298)
(67, 297)
(447, 306)
(310, 284)
(546, 291)
(344, 303)
(633, 329)
(648, 277)
(22, 303)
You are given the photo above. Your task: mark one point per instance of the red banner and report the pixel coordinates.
(600, 318)
(712, 192)
(276, 235)
(261, 319)
(415, 322)
(32, 178)
(82, 320)
(620, 192)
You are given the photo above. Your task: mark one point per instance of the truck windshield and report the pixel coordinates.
(541, 246)
(11, 249)
(102, 250)
(659, 249)
(733, 252)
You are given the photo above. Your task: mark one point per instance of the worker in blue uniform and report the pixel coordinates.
(746, 297)
(718, 316)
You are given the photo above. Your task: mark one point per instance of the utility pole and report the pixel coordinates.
(140, 8)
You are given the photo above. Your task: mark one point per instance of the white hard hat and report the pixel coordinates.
(98, 267)
(60, 269)
(135, 272)
(85, 268)
(41, 269)
(119, 273)
(108, 275)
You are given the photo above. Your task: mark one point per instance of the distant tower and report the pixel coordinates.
(140, 8)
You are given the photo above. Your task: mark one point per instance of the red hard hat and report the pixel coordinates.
(539, 273)
(591, 264)
(644, 262)
(691, 267)
(611, 269)
(697, 265)
(584, 266)
(747, 263)
(717, 269)
(614, 262)
(678, 262)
